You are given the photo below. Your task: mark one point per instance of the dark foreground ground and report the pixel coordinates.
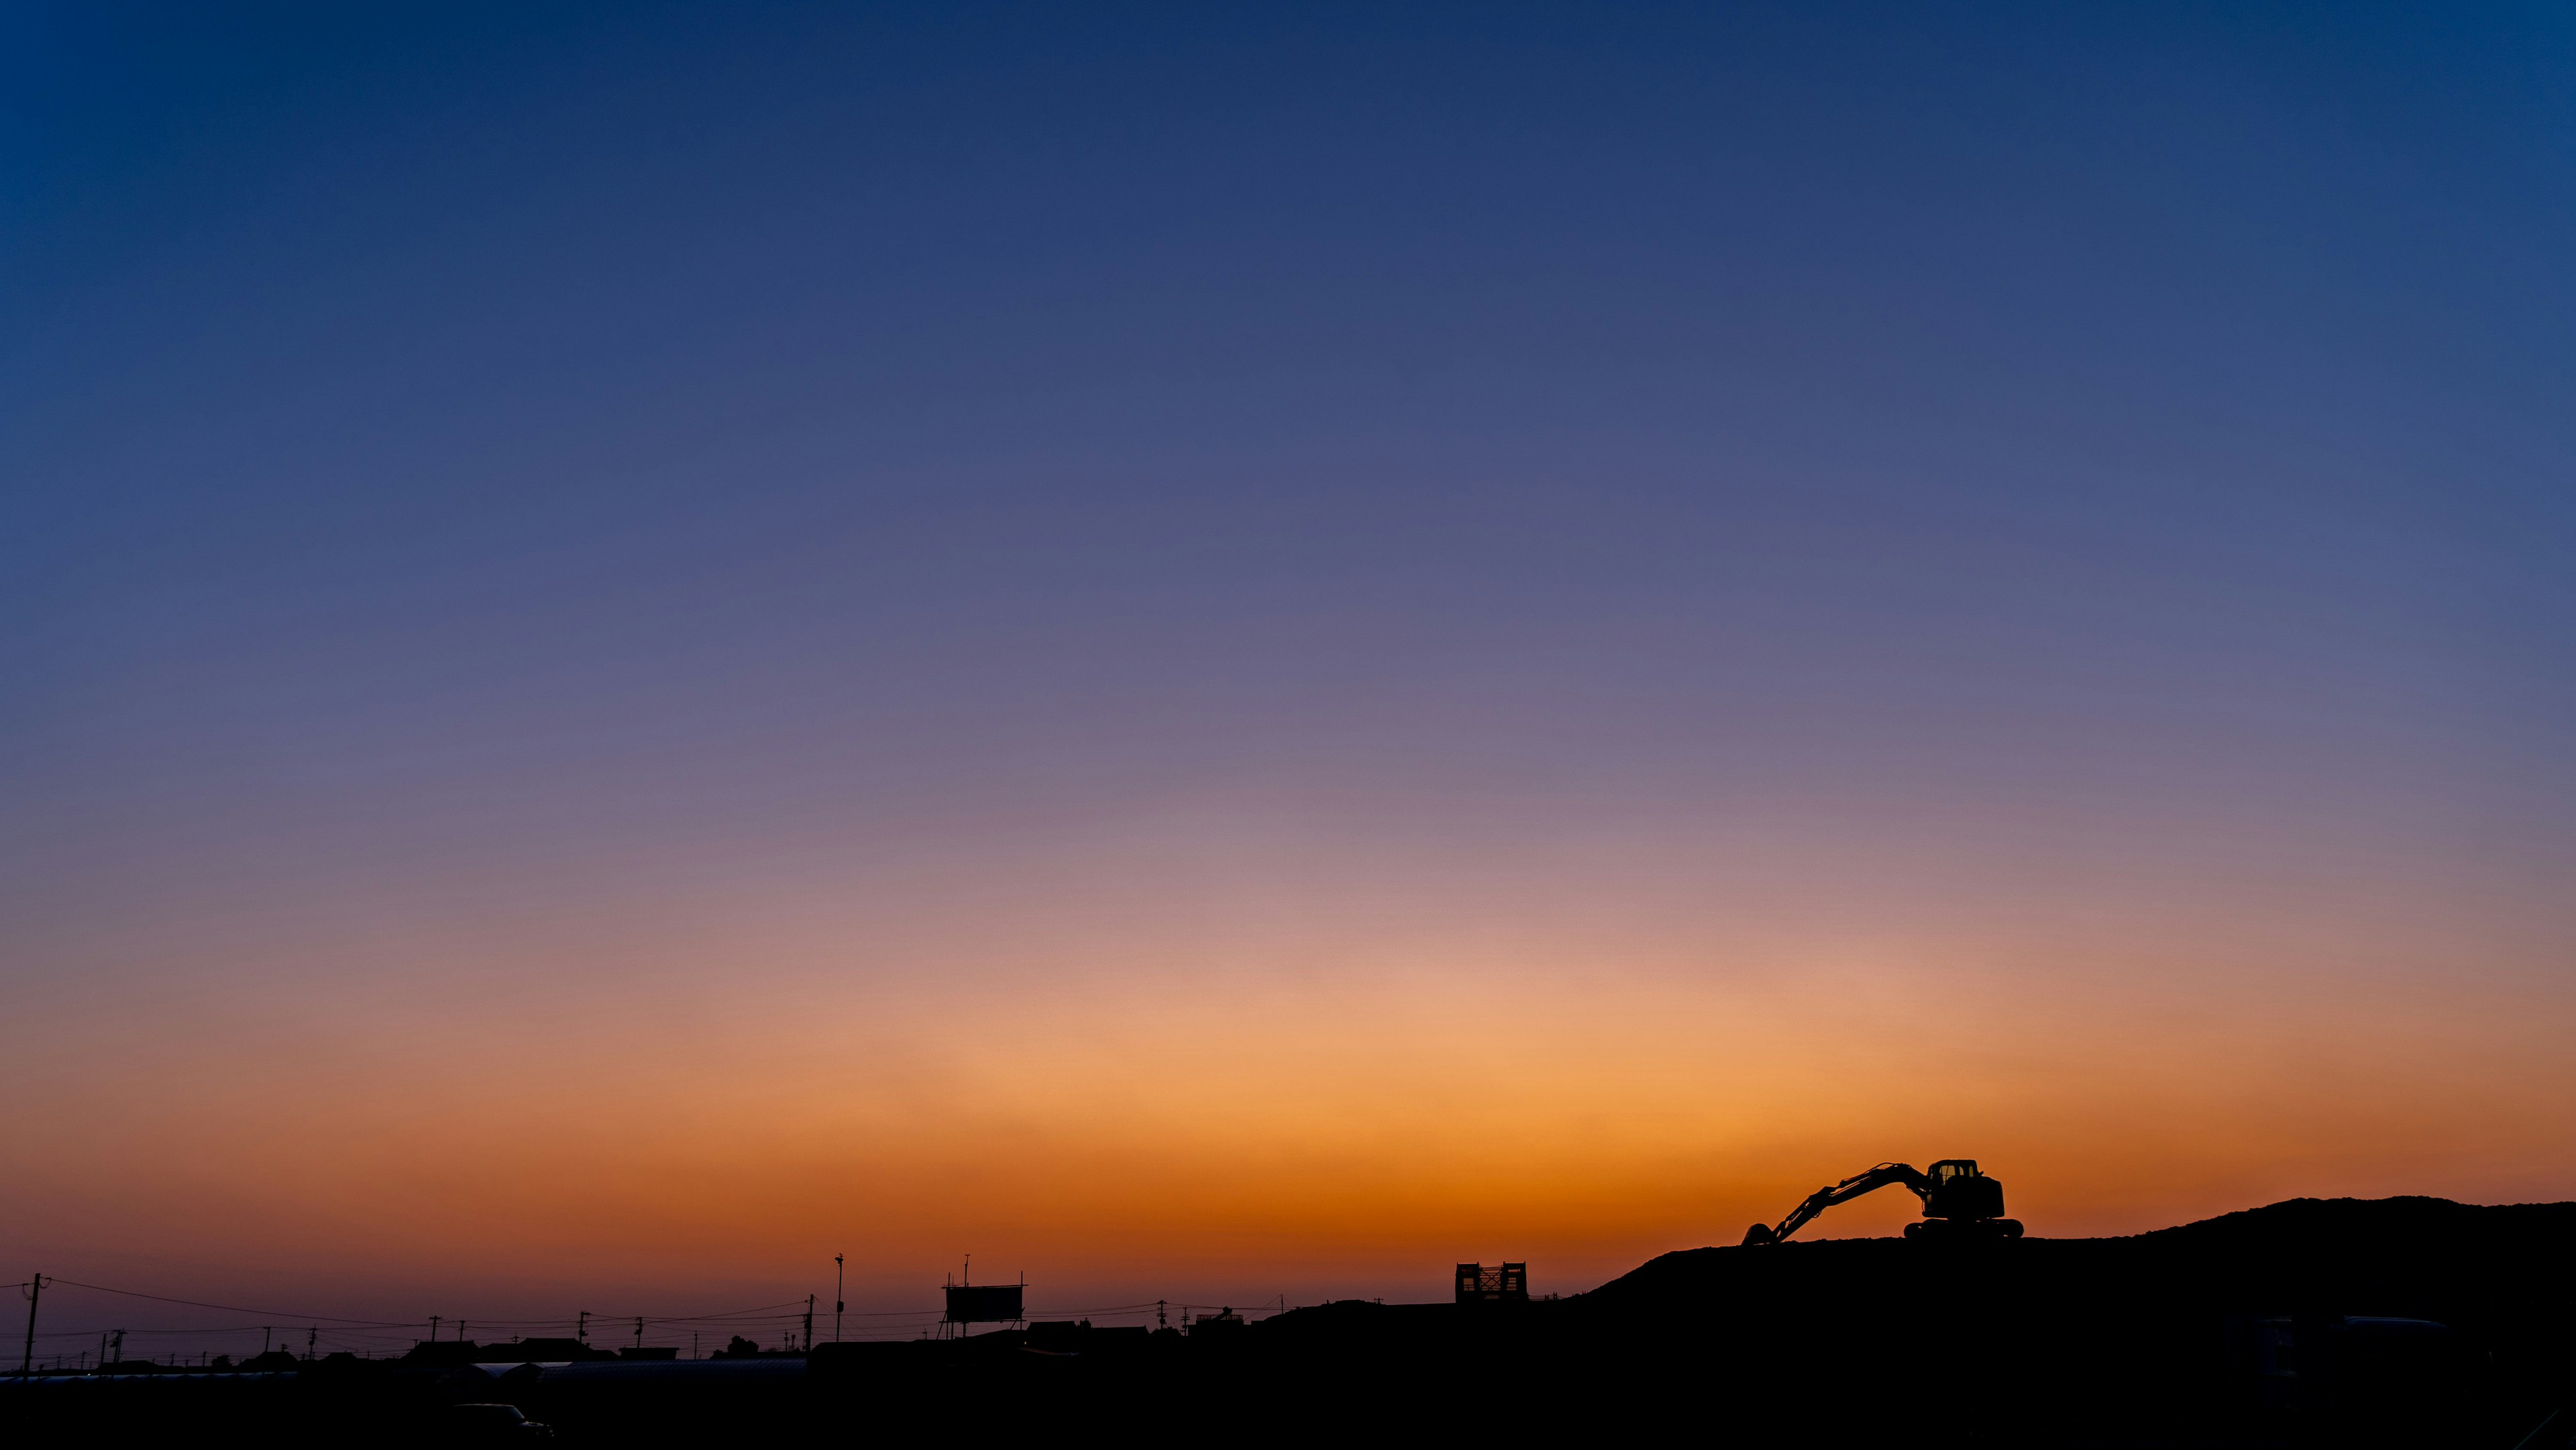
(2406, 1321)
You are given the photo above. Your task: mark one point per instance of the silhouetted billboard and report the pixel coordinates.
(984, 1303)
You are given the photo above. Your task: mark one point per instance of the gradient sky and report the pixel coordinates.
(1215, 651)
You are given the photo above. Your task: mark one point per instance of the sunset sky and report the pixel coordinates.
(1215, 652)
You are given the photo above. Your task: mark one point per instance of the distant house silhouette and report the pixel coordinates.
(541, 1351)
(1070, 1336)
(1224, 1321)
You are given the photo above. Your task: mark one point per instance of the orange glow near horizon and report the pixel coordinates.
(1246, 1096)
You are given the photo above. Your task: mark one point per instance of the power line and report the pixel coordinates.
(238, 1309)
(374, 1333)
(754, 1311)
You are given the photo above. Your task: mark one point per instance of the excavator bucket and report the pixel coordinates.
(1760, 1233)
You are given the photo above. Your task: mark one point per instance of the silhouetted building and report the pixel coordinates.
(1501, 1284)
(1224, 1321)
(1059, 1336)
(542, 1351)
(1080, 1336)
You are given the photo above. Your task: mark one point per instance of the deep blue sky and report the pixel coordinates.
(497, 426)
(458, 464)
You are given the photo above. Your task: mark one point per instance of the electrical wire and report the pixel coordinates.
(238, 1309)
(372, 1334)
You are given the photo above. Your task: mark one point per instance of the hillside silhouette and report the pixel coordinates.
(2401, 1321)
(2470, 1266)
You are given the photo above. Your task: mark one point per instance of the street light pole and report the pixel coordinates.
(837, 1303)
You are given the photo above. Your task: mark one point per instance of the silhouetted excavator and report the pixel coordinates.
(1959, 1203)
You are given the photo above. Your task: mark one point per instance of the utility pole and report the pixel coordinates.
(120, 1346)
(433, 1328)
(1159, 1321)
(583, 1332)
(837, 1304)
(809, 1324)
(311, 1335)
(27, 1356)
(639, 1331)
(267, 1332)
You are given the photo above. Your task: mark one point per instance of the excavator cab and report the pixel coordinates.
(1958, 1190)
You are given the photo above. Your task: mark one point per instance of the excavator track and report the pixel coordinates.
(1963, 1230)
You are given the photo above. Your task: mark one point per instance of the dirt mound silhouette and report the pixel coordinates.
(2292, 1315)
(2468, 1265)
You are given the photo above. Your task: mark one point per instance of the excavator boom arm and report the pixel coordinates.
(1844, 1192)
